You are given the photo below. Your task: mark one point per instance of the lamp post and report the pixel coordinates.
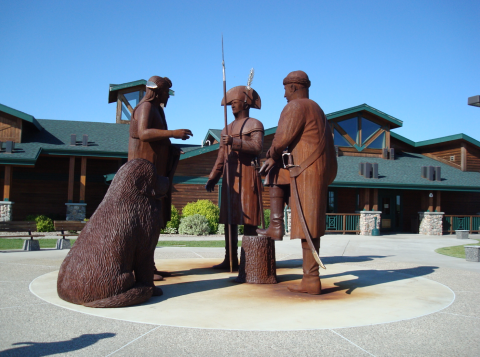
(474, 101)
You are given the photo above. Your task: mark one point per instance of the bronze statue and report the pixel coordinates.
(312, 166)
(111, 263)
(150, 139)
(244, 144)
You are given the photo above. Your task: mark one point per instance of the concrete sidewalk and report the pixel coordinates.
(32, 327)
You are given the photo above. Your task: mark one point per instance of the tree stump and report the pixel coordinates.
(257, 261)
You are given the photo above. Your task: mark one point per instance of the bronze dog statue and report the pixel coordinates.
(111, 263)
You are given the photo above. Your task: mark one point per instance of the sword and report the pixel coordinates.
(296, 198)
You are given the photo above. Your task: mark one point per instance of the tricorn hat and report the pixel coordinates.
(240, 92)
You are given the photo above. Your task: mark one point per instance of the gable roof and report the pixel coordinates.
(213, 133)
(21, 115)
(396, 123)
(114, 88)
(441, 140)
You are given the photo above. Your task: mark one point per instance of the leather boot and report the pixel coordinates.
(225, 265)
(276, 229)
(311, 280)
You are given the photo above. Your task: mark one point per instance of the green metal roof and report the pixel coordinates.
(404, 173)
(114, 88)
(215, 133)
(365, 107)
(21, 115)
(443, 139)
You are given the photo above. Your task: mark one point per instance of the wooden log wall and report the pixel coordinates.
(10, 128)
(467, 203)
(43, 189)
(444, 152)
(401, 146)
(473, 158)
(411, 201)
(346, 200)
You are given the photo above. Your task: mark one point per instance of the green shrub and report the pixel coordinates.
(44, 224)
(221, 229)
(205, 208)
(173, 223)
(266, 215)
(194, 225)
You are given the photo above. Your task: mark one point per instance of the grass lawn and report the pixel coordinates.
(194, 243)
(6, 243)
(457, 251)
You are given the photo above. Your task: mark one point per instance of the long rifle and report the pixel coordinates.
(227, 176)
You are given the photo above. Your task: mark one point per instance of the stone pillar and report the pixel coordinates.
(367, 222)
(76, 211)
(431, 223)
(6, 211)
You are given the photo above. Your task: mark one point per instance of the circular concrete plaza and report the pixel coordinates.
(197, 296)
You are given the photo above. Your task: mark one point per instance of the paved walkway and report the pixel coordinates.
(32, 327)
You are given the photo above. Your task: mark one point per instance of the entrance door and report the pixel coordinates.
(390, 203)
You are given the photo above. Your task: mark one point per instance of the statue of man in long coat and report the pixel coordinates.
(238, 150)
(302, 130)
(150, 139)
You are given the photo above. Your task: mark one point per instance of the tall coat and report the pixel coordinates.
(161, 153)
(247, 144)
(302, 128)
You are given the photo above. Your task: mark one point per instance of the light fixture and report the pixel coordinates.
(474, 101)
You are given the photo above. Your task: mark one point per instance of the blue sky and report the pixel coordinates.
(415, 60)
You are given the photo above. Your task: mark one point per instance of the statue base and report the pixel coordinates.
(257, 261)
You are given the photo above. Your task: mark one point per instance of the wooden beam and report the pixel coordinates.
(344, 134)
(71, 173)
(83, 179)
(375, 136)
(387, 138)
(430, 201)
(359, 125)
(375, 199)
(125, 101)
(7, 183)
(438, 207)
(367, 199)
(463, 165)
(119, 110)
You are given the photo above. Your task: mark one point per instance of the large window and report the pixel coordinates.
(360, 133)
(132, 98)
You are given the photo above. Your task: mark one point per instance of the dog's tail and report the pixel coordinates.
(135, 295)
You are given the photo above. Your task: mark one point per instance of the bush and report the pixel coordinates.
(205, 208)
(266, 214)
(221, 229)
(173, 223)
(44, 224)
(194, 225)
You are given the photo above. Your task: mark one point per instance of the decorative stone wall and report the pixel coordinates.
(431, 223)
(6, 211)
(367, 222)
(76, 211)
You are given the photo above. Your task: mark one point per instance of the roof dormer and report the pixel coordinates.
(127, 96)
(14, 122)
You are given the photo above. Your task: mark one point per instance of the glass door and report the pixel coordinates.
(390, 203)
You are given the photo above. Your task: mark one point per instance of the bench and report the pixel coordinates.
(22, 226)
(63, 226)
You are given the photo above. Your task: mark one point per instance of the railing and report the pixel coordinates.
(343, 222)
(451, 223)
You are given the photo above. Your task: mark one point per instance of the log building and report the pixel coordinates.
(61, 167)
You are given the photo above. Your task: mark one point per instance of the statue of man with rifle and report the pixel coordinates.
(303, 172)
(240, 145)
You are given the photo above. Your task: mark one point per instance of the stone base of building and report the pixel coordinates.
(367, 222)
(6, 211)
(76, 211)
(431, 223)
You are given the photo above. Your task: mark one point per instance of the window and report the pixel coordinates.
(133, 98)
(361, 131)
(331, 202)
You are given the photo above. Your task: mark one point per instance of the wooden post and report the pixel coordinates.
(387, 138)
(375, 199)
(367, 199)
(463, 158)
(430, 202)
(83, 179)
(438, 207)
(423, 199)
(71, 173)
(7, 183)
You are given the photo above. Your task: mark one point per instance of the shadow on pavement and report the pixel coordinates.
(37, 349)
